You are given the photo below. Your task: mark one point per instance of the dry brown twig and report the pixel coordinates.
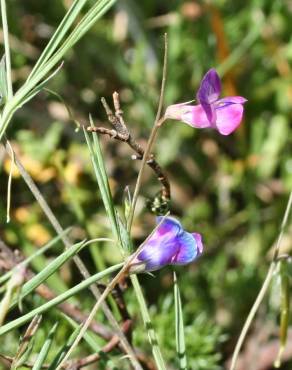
(122, 133)
(25, 340)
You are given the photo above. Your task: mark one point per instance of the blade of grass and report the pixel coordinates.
(102, 180)
(44, 274)
(38, 87)
(9, 184)
(179, 327)
(3, 82)
(57, 300)
(153, 338)
(283, 274)
(62, 353)
(7, 49)
(88, 337)
(45, 349)
(52, 267)
(55, 281)
(12, 288)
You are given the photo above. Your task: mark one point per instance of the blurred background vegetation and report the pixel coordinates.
(232, 189)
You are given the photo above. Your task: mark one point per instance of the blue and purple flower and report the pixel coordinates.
(223, 115)
(170, 244)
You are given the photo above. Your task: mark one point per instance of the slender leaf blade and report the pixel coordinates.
(148, 324)
(62, 353)
(48, 270)
(102, 180)
(57, 300)
(88, 337)
(3, 82)
(179, 327)
(45, 349)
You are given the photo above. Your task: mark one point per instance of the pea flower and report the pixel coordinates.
(223, 115)
(170, 244)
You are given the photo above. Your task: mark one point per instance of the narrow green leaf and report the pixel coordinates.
(3, 82)
(153, 339)
(88, 337)
(5, 30)
(48, 271)
(57, 300)
(125, 237)
(45, 349)
(284, 309)
(179, 327)
(33, 92)
(61, 354)
(12, 288)
(102, 180)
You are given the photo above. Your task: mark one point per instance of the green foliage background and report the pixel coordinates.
(231, 189)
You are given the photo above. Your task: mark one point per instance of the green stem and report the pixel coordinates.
(141, 172)
(7, 49)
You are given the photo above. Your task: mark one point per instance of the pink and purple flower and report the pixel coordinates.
(170, 244)
(224, 115)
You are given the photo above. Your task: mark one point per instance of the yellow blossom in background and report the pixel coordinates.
(35, 168)
(22, 214)
(72, 172)
(37, 234)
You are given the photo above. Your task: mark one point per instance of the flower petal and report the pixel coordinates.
(195, 116)
(169, 227)
(210, 88)
(162, 246)
(210, 112)
(188, 249)
(228, 118)
(175, 111)
(198, 238)
(232, 100)
(158, 254)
